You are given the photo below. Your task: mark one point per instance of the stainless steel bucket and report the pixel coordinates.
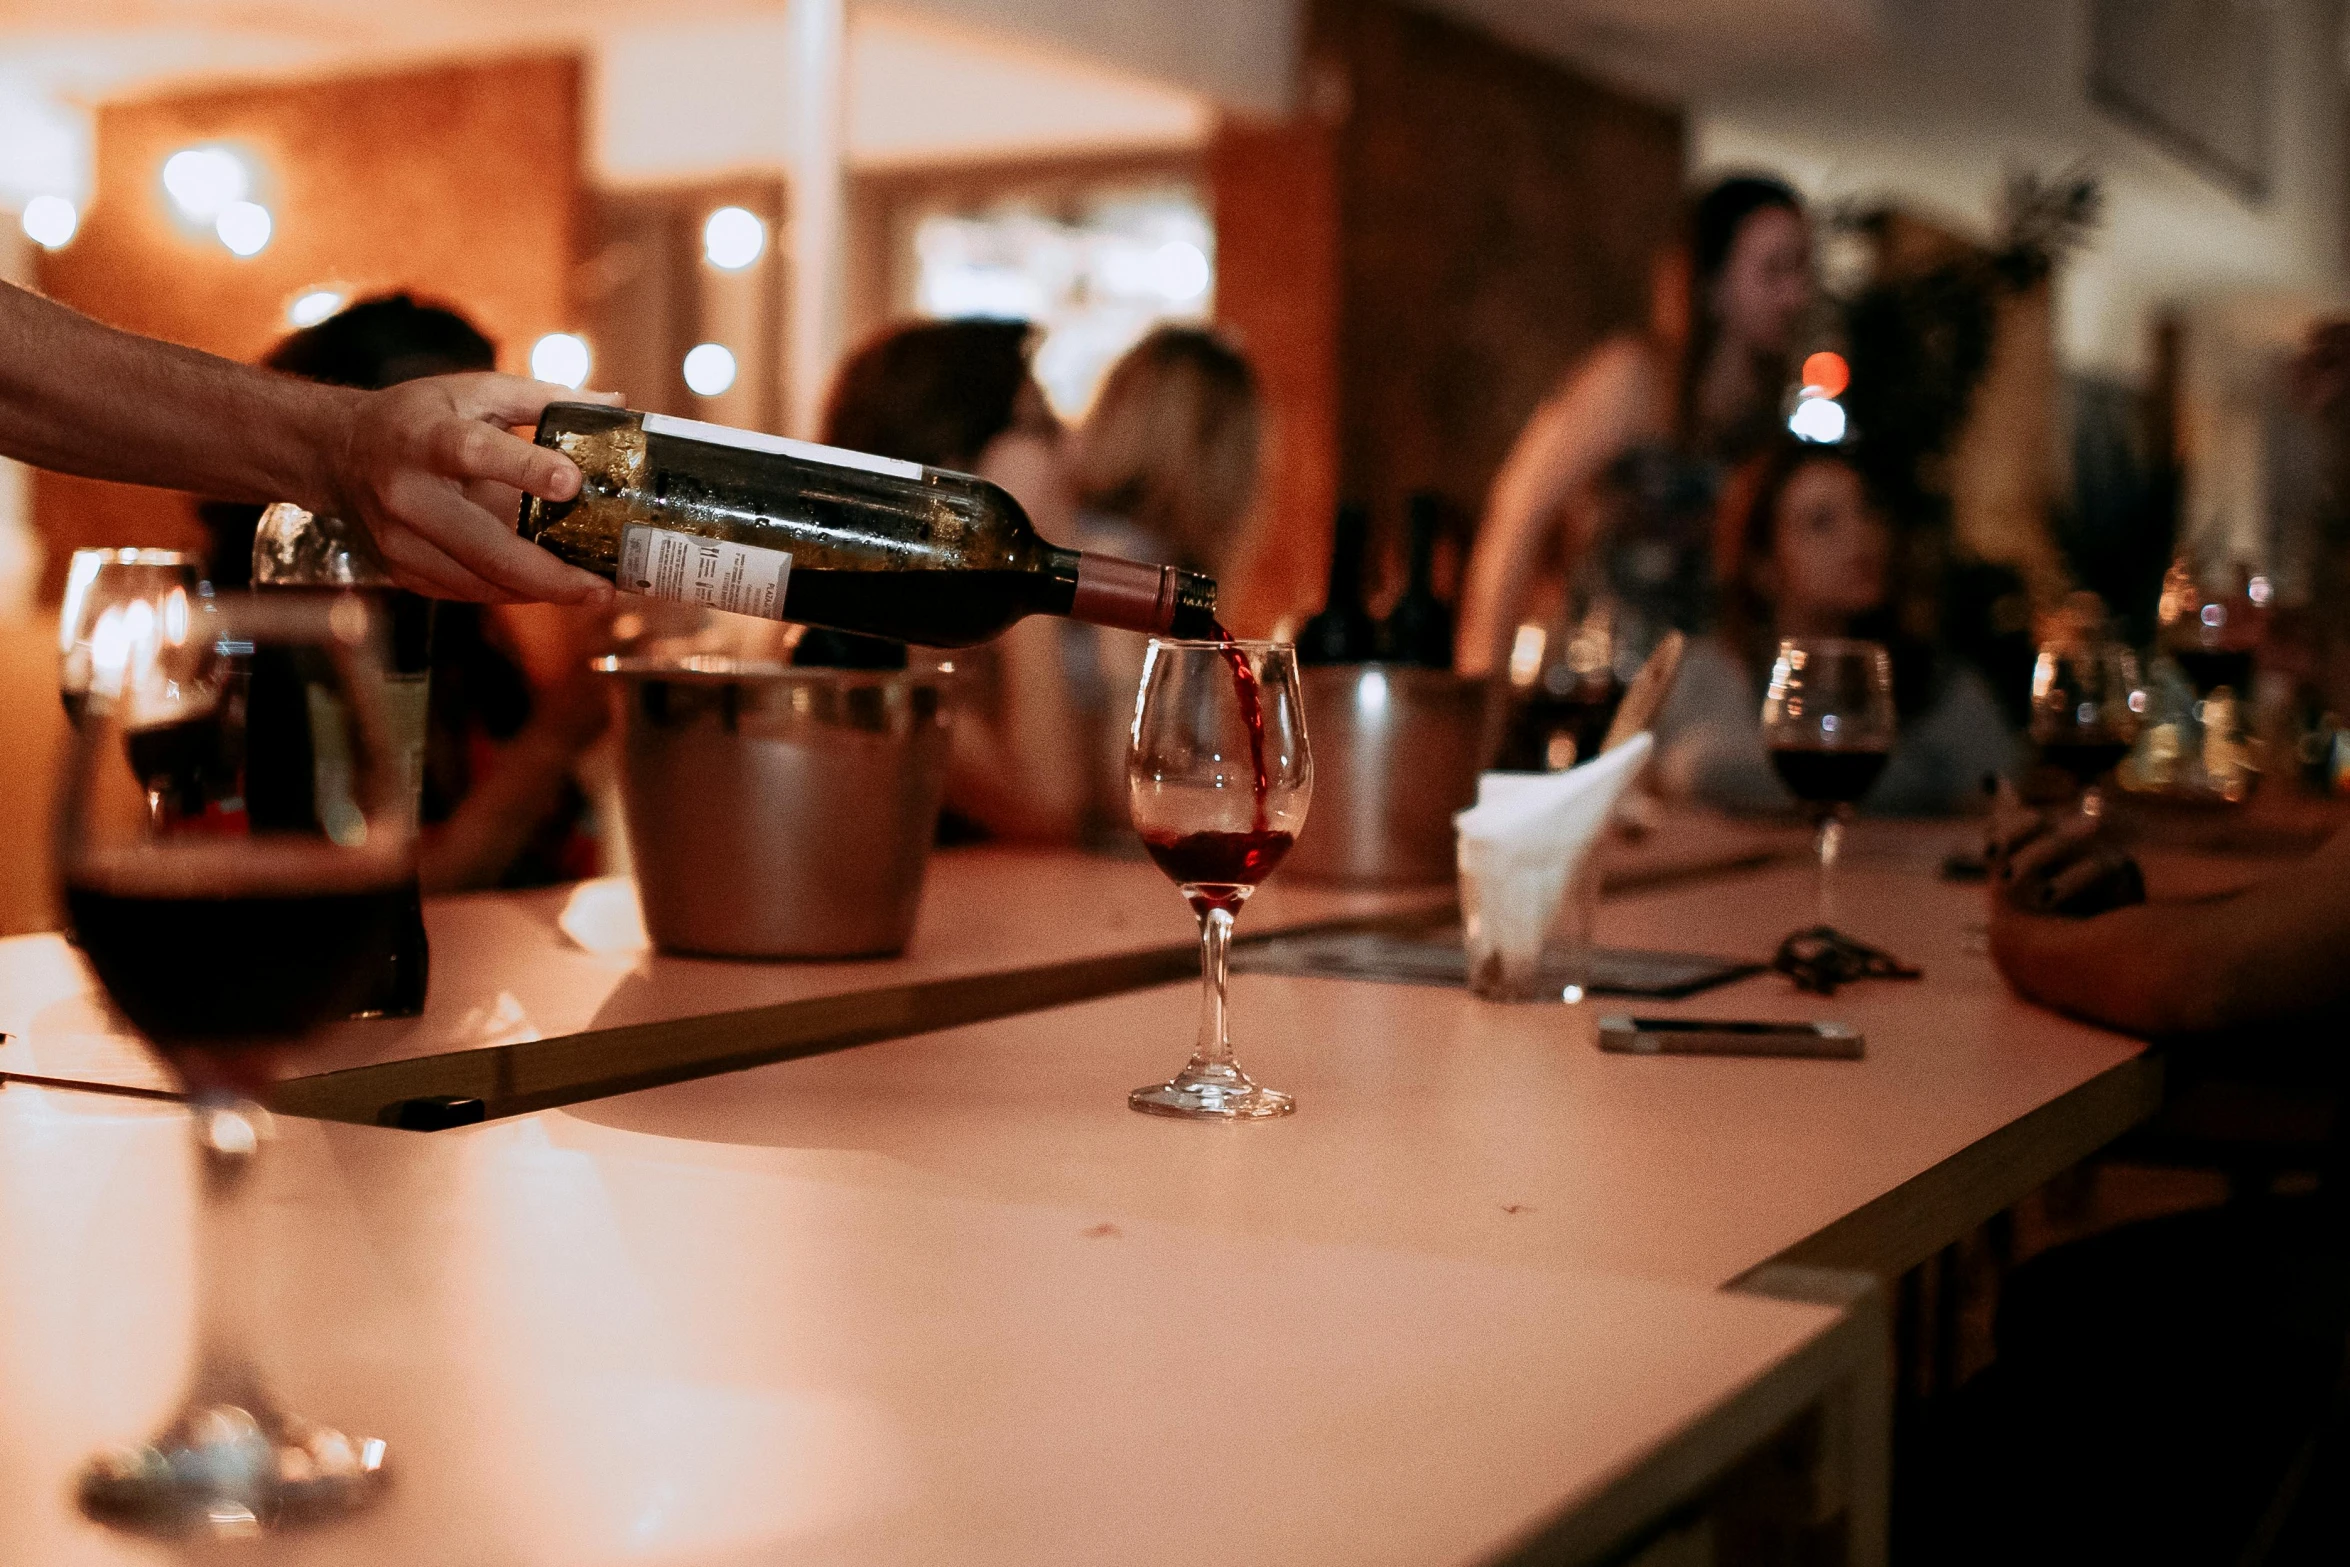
(1397, 751)
(776, 812)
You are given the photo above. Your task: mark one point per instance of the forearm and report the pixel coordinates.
(87, 399)
(2154, 969)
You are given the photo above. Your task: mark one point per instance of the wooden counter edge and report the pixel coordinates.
(543, 1074)
(1843, 1372)
(1895, 1232)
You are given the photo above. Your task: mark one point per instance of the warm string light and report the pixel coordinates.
(561, 357)
(733, 238)
(212, 187)
(709, 369)
(50, 221)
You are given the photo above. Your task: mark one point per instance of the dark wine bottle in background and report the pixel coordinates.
(1343, 633)
(760, 525)
(1420, 629)
(296, 551)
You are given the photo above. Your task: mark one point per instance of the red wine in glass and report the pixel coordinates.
(1250, 696)
(1216, 869)
(213, 975)
(1825, 776)
(1200, 701)
(2087, 759)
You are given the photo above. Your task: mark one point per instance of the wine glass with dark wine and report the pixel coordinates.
(125, 596)
(1827, 720)
(225, 924)
(1219, 778)
(2086, 697)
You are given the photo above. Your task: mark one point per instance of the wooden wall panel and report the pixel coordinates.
(458, 182)
(1275, 197)
(1489, 217)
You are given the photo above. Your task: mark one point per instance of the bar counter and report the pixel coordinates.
(549, 997)
(1490, 1295)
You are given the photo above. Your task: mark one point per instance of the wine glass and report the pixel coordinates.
(1828, 722)
(224, 924)
(2085, 703)
(125, 594)
(1219, 777)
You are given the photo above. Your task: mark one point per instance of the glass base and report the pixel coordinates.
(222, 1471)
(1202, 1092)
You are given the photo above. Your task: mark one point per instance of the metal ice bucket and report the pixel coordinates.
(1397, 751)
(776, 812)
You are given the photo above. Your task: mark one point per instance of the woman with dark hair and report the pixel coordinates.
(1621, 467)
(513, 707)
(959, 395)
(1805, 552)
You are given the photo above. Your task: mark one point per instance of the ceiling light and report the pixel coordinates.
(709, 369)
(561, 357)
(244, 227)
(733, 238)
(49, 221)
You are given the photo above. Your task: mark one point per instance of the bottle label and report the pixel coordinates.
(743, 579)
(779, 446)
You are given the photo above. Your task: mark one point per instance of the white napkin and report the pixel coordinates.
(1523, 841)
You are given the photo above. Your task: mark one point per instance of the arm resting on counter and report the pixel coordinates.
(2275, 953)
(419, 464)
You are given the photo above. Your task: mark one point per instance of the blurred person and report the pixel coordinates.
(1806, 552)
(959, 395)
(1619, 470)
(1165, 470)
(514, 706)
(2155, 1384)
(431, 467)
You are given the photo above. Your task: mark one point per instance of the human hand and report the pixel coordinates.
(422, 464)
(2068, 867)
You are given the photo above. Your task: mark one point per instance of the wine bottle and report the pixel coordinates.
(1343, 633)
(760, 525)
(294, 549)
(1420, 629)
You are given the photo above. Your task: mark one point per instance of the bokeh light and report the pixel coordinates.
(1826, 374)
(244, 227)
(709, 368)
(49, 221)
(314, 305)
(1819, 420)
(733, 238)
(561, 357)
(204, 182)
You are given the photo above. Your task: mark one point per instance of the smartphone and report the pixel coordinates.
(1697, 1036)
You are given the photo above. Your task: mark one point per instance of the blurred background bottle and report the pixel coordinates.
(1419, 631)
(1344, 632)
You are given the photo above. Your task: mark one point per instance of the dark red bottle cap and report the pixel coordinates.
(1136, 597)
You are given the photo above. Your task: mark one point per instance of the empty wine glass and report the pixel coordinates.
(1219, 778)
(2086, 698)
(1828, 722)
(224, 924)
(118, 594)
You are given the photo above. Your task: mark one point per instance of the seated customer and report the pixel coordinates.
(2159, 1385)
(1165, 469)
(1811, 555)
(513, 706)
(958, 395)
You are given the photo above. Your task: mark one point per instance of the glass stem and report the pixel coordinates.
(1831, 847)
(1215, 951)
(228, 1132)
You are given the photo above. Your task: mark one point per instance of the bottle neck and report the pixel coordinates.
(1132, 596)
